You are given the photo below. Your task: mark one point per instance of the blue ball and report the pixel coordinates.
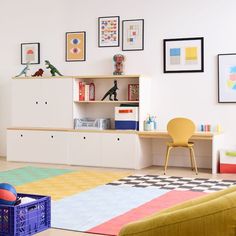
(8, 194)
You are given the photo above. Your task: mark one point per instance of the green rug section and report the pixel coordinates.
(29, 174)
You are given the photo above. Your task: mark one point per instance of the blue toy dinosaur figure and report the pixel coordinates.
(24, 71)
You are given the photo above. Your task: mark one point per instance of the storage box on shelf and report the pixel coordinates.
(43, 122)
(26, 219)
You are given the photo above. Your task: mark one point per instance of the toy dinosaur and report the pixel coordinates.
(39, 72)
(24, 71)
(111, 91)
(52, 68)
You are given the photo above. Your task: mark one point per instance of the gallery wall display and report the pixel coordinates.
(108, 31)
(133, 35)
(76, 46)
(183, 55)
(30, 53)
(227, 78)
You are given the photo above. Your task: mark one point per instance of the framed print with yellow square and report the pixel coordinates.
(76, 46)
(183, 55)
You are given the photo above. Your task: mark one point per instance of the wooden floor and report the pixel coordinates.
(4, 165)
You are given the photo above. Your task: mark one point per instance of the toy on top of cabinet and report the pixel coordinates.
(53, 69)
(39, 72)
(24, 71)
(118, 59)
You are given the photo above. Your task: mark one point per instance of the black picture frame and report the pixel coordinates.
(133, 38)
(226, 77)
(68, 46)
(104, 39)
(183, 55)
(30, 53)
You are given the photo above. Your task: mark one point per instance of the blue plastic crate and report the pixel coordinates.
(26, 219)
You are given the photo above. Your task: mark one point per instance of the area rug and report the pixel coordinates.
(101, 202)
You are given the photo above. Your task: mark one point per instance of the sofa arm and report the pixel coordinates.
(216, 217)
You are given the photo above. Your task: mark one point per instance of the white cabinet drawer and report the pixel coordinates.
(85, 149)
(119, 150)
(37, 146)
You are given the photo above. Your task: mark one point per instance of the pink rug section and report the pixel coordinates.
(113, 226)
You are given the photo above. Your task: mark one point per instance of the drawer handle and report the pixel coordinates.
(52, 136)
(46, 102)
(84, 137)
(21, 135)
(118, 139)
(37, 102)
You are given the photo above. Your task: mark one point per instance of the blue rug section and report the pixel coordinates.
(88, 209)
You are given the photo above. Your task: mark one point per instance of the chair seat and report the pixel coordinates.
(180, 144)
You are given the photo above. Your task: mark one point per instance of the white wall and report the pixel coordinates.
(182, 94)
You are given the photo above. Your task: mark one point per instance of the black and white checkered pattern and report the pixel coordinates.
(174, 183)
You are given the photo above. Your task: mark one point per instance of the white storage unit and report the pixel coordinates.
(43, 110)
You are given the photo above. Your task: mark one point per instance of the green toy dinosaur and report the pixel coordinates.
(52, 68)
(24, 71)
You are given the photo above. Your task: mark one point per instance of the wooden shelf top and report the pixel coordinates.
(73, 130)
(82, 77)
(107, 101)
(164, 134)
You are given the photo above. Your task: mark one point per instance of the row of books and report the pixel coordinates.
(86, 91)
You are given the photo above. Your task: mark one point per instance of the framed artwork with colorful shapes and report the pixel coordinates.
(75, 46)
(30, 53)
(183, 55)
(108, 31)
(227, 78)
(133, 35)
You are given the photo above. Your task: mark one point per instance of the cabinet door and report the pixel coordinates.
(23, 146)
(54, 147)
(57, 100)
(119, 150)
(37, 146)
(26, 102)
(85, 149)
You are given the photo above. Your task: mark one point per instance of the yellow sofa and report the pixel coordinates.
(211, 215)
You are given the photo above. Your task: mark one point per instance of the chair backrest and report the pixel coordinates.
(180, 129)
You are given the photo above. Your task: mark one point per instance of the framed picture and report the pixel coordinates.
(227, 78)
(183, 55)
(30, 53)
(133, 92)
(133, 35)
(108, 31)
(76, 46)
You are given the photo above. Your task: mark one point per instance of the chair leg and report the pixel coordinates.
(167, 158)
(194, 160)
(191, 158)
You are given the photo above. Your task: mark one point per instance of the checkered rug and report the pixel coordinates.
(174, 183)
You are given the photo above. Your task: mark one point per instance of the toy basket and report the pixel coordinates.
(26, 219)
(89, 123)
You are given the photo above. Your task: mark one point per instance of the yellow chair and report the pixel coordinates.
(181, 130)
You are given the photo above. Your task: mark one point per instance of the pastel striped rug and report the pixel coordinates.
(101, 202)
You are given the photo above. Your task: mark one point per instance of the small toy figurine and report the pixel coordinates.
(24, 71)
(39, 72)
(52, 68)
(118, 59)
(111, 91)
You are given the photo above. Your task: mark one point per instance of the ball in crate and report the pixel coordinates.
(8, 194)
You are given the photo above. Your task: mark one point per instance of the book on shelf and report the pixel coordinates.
(86, 91)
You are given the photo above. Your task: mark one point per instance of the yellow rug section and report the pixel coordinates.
(71, 183)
